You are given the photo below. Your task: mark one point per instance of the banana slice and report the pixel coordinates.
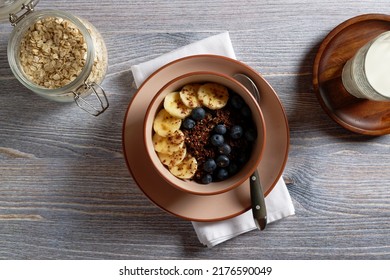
(174, 106)
(165, 124)
(189, 95)
(185, 169)
(165, 144)
(213, 96)
(173, 159)
(176, 137)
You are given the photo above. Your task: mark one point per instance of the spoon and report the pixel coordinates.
(257, 196)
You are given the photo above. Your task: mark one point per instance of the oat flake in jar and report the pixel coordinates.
(57, 55)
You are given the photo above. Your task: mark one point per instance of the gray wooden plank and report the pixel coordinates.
(66, 193)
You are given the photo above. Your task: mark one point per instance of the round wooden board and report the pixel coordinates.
(358, 115)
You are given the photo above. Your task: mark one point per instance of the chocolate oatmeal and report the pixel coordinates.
(204, 133)
(198, 144)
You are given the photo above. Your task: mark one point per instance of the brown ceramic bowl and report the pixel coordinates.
(190, 185)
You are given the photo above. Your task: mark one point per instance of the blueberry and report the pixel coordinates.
(198, 113)
(233, 168)
(250, 134)
(246, 111)
(224, 149)
(222, 174)
(207, 179)
(209, 165)
(237, 102)
(217, 140)
(220, 129)
(188, 123)
(222, 161)
(236, 132)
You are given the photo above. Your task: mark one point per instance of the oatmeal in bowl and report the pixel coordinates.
(204, 133)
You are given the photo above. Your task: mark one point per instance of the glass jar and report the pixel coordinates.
(59, 56)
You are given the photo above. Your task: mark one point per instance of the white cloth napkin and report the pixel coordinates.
(278, 202)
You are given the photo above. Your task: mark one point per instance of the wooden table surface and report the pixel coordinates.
(65, 190)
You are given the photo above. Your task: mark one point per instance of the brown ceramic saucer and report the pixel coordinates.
(358, 115)
(203, 207)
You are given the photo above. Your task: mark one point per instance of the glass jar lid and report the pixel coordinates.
(8, 7)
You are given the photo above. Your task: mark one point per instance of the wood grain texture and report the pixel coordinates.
(66, 193)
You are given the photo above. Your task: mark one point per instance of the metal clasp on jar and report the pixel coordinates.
(24, 11)
(98, 92)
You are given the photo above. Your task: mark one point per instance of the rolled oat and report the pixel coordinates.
(53, 52)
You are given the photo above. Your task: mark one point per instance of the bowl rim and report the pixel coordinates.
(150, 150)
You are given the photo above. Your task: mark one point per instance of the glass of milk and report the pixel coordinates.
(367, 74)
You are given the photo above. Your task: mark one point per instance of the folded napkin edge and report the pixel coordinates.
(219, 44)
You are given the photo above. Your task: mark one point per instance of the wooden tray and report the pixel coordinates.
(358, 115)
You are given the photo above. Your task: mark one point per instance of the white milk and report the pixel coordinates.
(377, 65)
(367, 74)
